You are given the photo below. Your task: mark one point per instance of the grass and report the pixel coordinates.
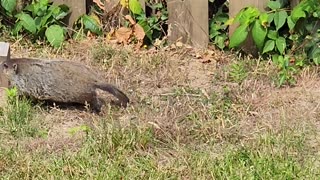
(231, 125)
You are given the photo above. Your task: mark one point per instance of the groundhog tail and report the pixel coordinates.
(123, 99)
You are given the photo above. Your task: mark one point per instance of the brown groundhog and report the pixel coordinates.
(59, 81)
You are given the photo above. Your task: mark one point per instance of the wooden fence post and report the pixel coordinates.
(4, 55)
(293, 3)
(188, 20)
(77, 8)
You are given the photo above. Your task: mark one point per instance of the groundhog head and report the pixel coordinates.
(9, 69)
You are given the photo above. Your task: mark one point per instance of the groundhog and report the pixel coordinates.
(59, 81)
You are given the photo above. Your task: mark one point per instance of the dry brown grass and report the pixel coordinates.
(168, 87)
(184, 101)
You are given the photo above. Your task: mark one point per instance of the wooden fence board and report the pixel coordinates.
(77, 8)
(188, 20)
(4, 55)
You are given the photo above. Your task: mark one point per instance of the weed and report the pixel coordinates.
(238, 72)
(17, 114)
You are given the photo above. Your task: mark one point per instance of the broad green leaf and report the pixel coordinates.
(214, 33)
(220, 41)
(270, 17)
(59, 12)
(259, 34)
(38, 21)
(315, 55)
(283, 77)
(239, 36)
(43, 2)
(280, 18)
(54, 10)
(229, 22)
(273, 34)
(221, 18)
(17, 28)
(264, 19)
(274, 5)
(46, 18)
(135, 6)
(281, 44)
(61, 15)
(9, 5)
(55, 35)
(64, 8)
(29, 8)
(316, 60)
(274, 58)
(27, 22)
(269, 46)
(297, 13)
(290, 23)
(91, 24)
(247, 15)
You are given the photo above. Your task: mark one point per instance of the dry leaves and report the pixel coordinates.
(125, 35)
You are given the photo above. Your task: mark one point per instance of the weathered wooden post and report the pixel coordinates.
(293, 3)
(4, 55)
(77, 8)
(234, 7)
(4, 82)
(188, 20)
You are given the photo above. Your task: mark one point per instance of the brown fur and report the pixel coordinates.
(58, 81)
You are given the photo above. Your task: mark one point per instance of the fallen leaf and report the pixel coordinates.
(138, 32)
(130, 19)
(206, 60)
(123, 34)
(99, 4)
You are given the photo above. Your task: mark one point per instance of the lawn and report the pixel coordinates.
(188, 119)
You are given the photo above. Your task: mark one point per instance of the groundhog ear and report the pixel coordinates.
(15, 67)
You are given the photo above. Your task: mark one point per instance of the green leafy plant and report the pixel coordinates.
(218, 29)
(17, 114)
(152, 25)
(284, 35)
(89, 23)
(41, 19)
(238, 72)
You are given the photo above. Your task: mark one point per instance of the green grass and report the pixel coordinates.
(129, 153)
(177, 133)
(17, 115)
(114, 151)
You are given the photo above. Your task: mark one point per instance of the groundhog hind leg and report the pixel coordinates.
(96, 103)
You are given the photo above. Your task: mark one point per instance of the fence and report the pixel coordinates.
(188, 19)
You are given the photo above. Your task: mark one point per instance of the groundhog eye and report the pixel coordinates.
(5, 65)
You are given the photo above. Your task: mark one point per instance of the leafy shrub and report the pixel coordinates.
(291, 38)
(40, 19)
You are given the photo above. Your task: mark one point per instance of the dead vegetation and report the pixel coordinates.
(184, 114)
